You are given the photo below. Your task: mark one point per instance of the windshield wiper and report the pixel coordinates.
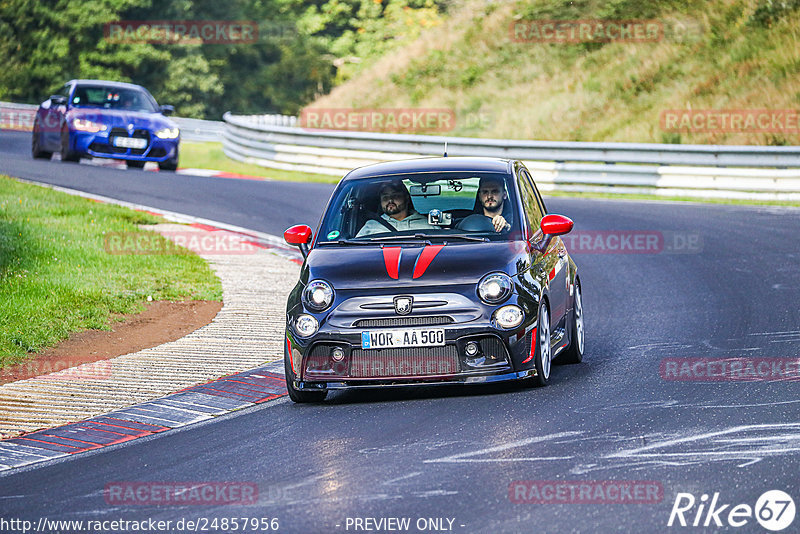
(345, 242)
(428, 237)
(467, 237)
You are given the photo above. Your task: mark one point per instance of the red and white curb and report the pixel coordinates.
(191, 405)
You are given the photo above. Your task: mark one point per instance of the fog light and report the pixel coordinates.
(471, 349)
(306, 325)
(509, 316)
(338, 354)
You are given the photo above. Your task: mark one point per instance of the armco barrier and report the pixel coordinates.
(747, 172)
(20, 117)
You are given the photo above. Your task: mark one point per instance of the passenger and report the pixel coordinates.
(492, 201)
(398, 212)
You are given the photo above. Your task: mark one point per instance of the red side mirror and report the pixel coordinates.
(556, 225)
(298, 235)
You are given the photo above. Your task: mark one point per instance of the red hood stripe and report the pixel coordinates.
(425, 258)
(391, 257)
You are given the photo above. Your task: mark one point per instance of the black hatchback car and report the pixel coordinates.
(432, 271)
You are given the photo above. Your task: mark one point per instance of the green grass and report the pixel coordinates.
(197, 155)
(56, 277)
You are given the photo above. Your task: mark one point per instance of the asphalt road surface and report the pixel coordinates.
(723, 282)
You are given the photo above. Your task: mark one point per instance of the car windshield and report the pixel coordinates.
(109, 97)
(424, 206)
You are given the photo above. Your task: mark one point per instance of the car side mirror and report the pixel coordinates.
(167, 110)
(299, 236)
(551, 226)
(58, 100)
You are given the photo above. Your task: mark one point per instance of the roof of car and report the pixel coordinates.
(107, 83)
(451, 164)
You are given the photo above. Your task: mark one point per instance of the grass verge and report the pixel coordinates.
(56, 277)
(209, 155)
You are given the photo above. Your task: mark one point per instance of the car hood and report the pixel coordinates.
(358, 267)
(116, 118)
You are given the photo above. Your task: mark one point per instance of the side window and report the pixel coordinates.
(530, 200)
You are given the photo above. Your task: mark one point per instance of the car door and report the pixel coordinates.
(52, 119)
(555, 263)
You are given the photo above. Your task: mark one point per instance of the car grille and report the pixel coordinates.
(411, 361)
(404, 321)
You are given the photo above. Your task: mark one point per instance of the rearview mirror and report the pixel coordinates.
(551, 226)
(299, 236)
(167, 110)
(58, 100)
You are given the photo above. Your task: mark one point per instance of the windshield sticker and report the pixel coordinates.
(333, 235)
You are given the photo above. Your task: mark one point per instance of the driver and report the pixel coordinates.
(492, 199)
(398, 212)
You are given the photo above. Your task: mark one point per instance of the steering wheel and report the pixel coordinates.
(476, 223)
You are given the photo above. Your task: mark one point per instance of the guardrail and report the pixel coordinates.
(20, 117)
(747, 172)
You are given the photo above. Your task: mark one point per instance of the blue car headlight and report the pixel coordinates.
(168, 133)
(85, 125)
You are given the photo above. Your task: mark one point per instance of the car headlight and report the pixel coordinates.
(306, 325)
(85, 125)
(495, 288)
(318, 295)
(509, 317)
(168, 133)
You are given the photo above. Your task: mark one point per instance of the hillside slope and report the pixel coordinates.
(710, 55)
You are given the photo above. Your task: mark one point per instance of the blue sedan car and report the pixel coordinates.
(103, 119)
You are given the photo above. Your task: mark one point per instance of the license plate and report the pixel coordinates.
(406, 337)
(129, 142)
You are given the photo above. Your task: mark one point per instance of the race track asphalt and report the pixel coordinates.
(455, 452)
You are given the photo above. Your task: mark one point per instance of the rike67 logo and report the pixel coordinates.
(774, 510)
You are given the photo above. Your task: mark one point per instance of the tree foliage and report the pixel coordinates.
(302, 50)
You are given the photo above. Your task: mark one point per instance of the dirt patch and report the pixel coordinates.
(161, 322)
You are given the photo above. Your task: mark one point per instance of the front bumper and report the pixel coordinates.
(502, 355)
(441, 381)
(99, 145)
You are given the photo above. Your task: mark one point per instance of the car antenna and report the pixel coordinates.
(445, 149)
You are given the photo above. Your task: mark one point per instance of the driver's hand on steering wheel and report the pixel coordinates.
(500, 223)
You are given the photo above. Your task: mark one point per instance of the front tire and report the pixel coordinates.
(36, 144)
(299, 396)
(574, 353)
(544, 352)
(168, 165)
(67, 154)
